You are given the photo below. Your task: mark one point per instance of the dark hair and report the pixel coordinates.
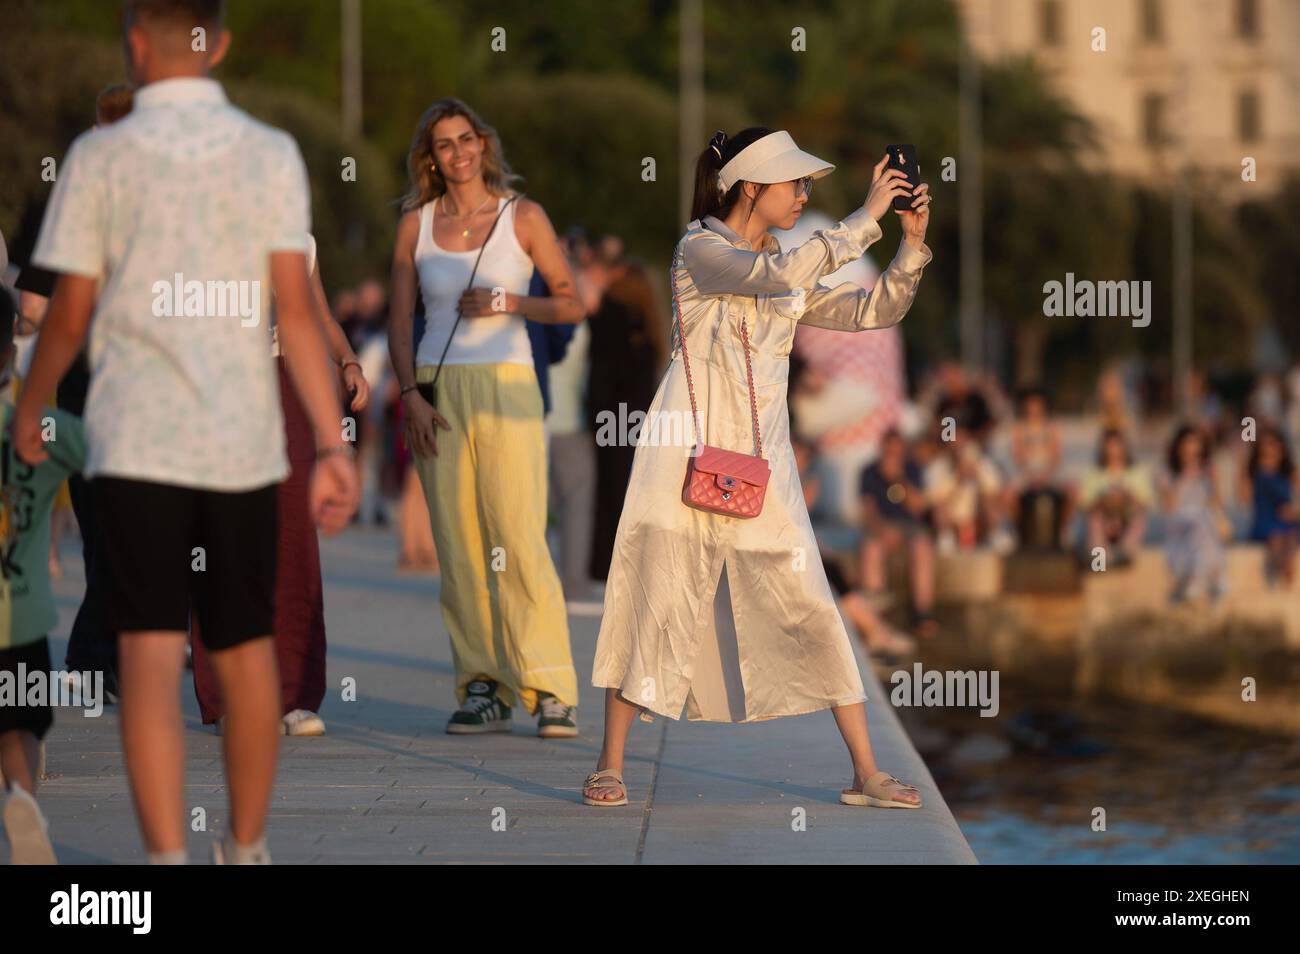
(113, 102)
(187, 13)
(1285, 467)
(709, 199)
(7, 318)
(1113, 434)
(1184, 432)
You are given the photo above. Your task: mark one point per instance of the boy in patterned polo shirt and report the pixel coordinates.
(27, 611)
(173, 226)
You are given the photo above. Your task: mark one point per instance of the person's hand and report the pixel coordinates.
(885, 185)
(25, 430)
(354, 382)
(915, 222)
(335, 492)
(484, 303)
(422, 421)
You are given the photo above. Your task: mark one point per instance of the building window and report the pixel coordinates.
(1152, 27)
(1248, 19)
(1153, 119)
(1049, 22)
(1248, 116)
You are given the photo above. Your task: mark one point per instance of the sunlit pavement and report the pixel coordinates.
(386, 784)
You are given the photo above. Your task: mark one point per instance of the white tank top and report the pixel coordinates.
(444, 275)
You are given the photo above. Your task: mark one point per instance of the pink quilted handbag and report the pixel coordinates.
(717, 480)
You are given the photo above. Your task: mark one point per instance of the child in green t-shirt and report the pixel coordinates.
(27, 612)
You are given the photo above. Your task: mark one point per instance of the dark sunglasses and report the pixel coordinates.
(803, 186)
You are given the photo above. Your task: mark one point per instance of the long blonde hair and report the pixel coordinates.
(426, 182)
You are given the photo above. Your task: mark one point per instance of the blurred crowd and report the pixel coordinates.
(962, 466)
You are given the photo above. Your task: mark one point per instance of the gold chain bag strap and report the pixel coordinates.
(717, 480)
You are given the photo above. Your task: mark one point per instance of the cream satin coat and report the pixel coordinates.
(731, 618)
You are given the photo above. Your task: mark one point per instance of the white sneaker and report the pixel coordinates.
(29, 840)
(297, 722)
(226, 852)
(72, 684)
(302, 722)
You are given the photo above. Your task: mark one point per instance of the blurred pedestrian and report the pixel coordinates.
(964, 490)
(1270, 488)
(299, 620)
(92, 646)
(629, 343)
(896, 518)
(874, 632)
(572, 464)
(1115, 496)
(27, 613)
(1040, 503)
(1195, 524)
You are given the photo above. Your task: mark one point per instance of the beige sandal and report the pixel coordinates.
(602, 780)
(880, 791)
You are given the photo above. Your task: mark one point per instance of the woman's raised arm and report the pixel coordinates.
(719, 268)
(849, 307)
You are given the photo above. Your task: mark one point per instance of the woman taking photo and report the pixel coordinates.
(473, 416)
(731, 617)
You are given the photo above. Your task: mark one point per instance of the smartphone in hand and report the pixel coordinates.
(902, 157)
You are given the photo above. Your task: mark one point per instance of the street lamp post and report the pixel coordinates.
(970, 204)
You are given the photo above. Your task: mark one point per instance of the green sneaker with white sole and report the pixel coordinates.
(481, 711)
(555, 720)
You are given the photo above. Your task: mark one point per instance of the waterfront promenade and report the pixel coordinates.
(386, 785)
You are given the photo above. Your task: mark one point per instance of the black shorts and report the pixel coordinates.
(165, 549)
(34, 719)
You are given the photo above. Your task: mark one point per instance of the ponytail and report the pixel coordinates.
(709, 198)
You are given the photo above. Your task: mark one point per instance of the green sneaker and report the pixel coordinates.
(555, 720)
(481, 711)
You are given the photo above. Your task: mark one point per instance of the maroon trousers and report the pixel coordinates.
(299, 597)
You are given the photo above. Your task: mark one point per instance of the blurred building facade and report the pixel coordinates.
(1206, 82)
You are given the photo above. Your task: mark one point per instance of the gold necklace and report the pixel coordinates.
(457, 218)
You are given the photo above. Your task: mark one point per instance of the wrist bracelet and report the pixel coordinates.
(344, 365)
(404, 390)
(335, 449)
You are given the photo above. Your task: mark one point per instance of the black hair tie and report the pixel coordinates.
(717, 142)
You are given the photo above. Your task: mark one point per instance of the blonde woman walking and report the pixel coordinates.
(468, 243)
